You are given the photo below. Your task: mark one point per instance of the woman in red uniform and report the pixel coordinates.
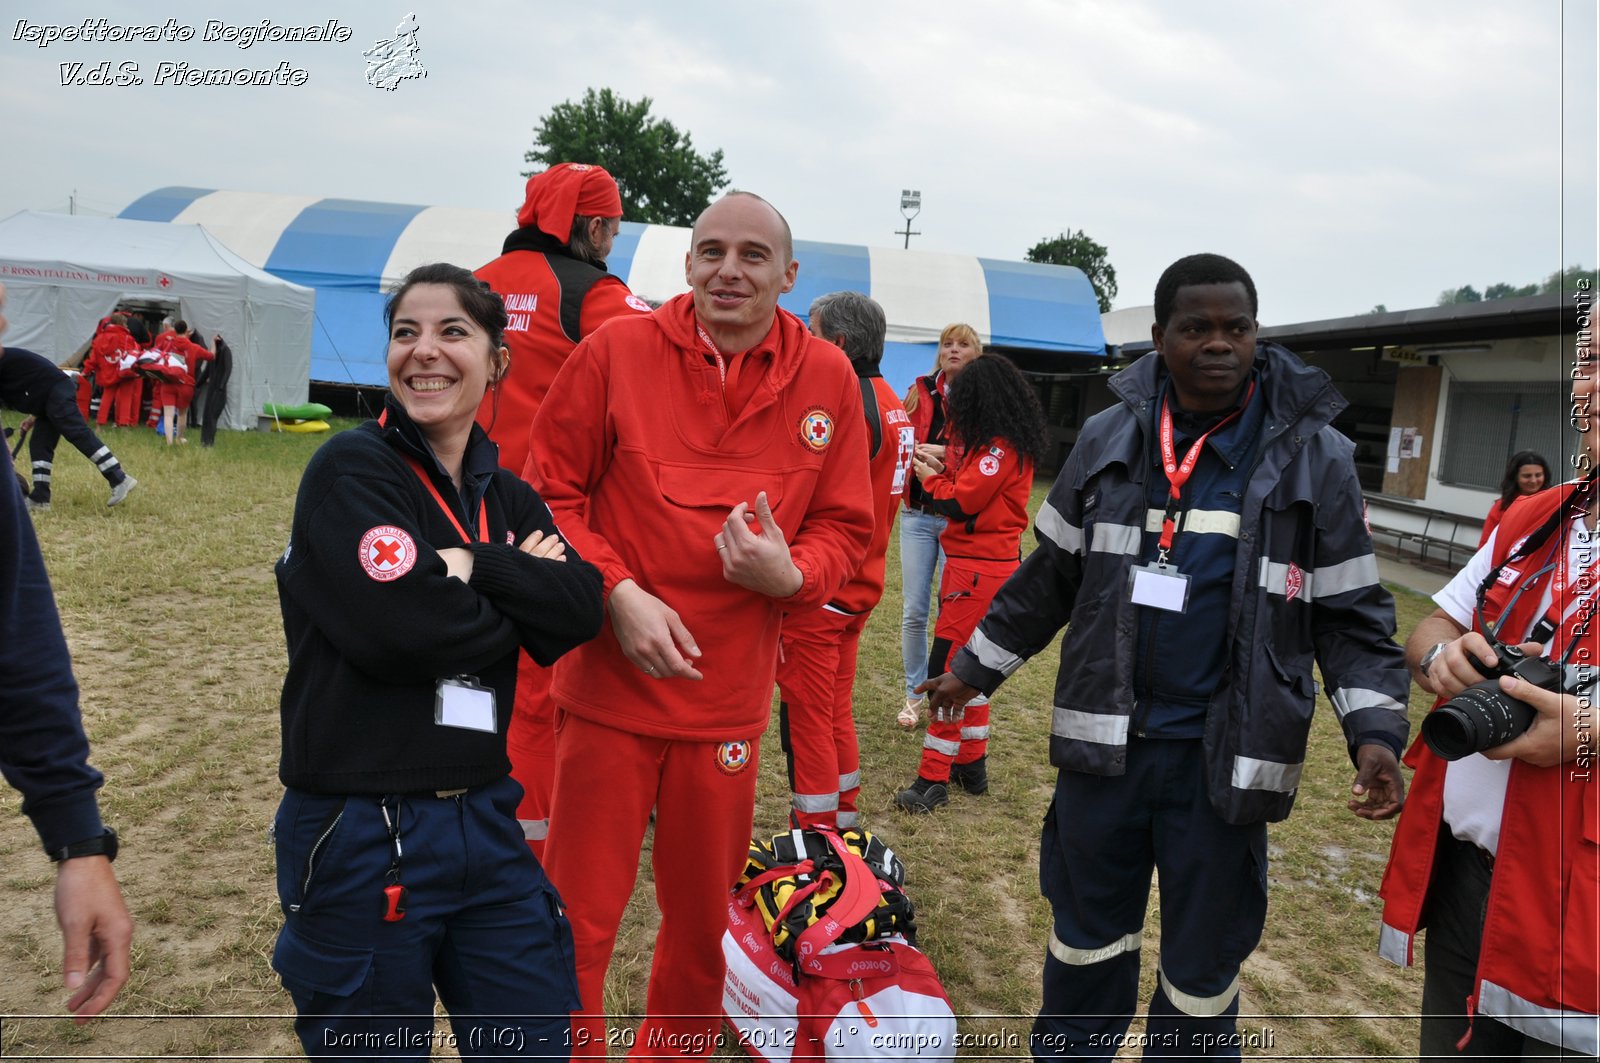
(920, 527)
(982, 488)
(1527, 473)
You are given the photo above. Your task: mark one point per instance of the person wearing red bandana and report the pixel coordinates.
(552, 276)
(711, 460)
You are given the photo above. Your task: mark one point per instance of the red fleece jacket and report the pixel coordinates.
(640, 463)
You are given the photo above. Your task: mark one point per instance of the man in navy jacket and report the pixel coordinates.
(1203, 545)
(44, 754)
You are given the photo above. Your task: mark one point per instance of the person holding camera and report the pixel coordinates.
(1497, 850)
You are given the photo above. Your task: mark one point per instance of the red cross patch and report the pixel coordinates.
(387, 553)
(639, 304)
(1293, 580)
(816, 428)
(734, 757)
(989, 465)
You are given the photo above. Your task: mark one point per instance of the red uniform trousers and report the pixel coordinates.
(816, 681)
(120, 402)
(530, 743)
(85, 394)
(704, 796)
(965, 591)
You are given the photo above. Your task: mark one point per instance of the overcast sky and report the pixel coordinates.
(1347, 154)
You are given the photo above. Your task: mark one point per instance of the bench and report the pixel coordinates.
(1435, 539)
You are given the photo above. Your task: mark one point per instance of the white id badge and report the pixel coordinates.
(461, 702)
(1159, 587)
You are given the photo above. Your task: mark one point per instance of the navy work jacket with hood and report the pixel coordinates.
(1305, 584)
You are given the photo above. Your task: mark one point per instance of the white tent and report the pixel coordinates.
(64, 273)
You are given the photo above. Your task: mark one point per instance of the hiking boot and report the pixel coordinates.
(923, 795)
(913, 711)
(972, 778)
(120, 491)
(36, 507)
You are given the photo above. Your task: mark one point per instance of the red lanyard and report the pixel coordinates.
(711, 348)
(483, 508)
(1178, 472)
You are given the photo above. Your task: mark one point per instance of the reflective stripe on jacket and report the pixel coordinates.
(1305, 585)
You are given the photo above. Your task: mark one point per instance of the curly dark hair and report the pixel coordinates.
(991, 400)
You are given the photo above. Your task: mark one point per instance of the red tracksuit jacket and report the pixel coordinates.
(640, 464)
(986, 501)
(890, 472)
(1540, 956)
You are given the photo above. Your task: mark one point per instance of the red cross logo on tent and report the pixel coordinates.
(386, 553)
(164, 281)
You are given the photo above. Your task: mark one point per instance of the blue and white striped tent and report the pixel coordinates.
(352, 251)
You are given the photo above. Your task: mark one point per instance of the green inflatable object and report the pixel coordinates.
(306, 411)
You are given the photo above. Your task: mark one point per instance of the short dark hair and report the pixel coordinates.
(1200, 269)
(181, 327)
(482, 303)
(859, 319)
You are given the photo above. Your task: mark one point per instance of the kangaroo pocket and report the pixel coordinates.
(717, 486)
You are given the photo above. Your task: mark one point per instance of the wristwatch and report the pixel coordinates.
(105, 845)
(1431, 656)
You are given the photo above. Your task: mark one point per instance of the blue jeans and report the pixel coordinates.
(920, 561)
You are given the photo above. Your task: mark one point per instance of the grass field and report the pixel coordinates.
(172, 617)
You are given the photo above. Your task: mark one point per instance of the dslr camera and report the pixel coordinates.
(1484, 716)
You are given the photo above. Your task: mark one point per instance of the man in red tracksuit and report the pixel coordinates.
(119, 391)
(552, 275)
(710, 460)
(817, 668)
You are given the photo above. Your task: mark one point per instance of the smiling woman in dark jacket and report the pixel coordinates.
(416, 569)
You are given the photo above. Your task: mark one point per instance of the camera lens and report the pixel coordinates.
(1480, 717)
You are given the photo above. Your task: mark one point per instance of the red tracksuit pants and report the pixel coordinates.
(816, 680)
(704, 796)
(965, 591)
(531, 745)
(120, 402)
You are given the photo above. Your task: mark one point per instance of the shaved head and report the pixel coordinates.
(786, 245)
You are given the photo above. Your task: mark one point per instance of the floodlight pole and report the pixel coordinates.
(910, 207)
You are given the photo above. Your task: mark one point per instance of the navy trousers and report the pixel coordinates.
(483, 926)
(1102, 838)
(59, 418)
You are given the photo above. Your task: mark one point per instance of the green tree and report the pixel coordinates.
(1567, 280)
(1508, 291)
(1464, 294)
(662, 178)
(1077, 249)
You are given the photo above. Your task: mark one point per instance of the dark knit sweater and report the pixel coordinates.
(366, 653)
